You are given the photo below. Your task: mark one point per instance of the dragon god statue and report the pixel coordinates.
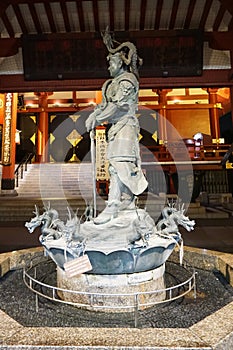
(123, 245)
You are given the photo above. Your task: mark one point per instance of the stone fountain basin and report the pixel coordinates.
(120, 260)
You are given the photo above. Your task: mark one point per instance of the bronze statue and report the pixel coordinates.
(118, 107)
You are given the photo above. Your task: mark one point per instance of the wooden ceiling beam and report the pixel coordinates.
(219, 18)
(50, 17)
(189, 15)
(35, 17)
(80, 15)
(174, 14)
(205, 14)
(65, 15)
(127, 12)
(158, 14)
(20, 18)
(96, 15)
(111, 14)
(143, 14)
(8, 25)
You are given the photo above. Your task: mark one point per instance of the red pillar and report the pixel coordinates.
(214, 113)
(162, 120)
(8, 145)
(43, 133)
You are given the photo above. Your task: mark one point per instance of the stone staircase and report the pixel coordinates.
(56, 180)
(58, 184)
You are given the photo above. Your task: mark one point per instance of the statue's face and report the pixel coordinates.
(115, 64)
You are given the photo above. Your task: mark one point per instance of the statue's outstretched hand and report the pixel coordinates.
(91, 121)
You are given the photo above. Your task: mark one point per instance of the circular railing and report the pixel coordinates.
(50, 292)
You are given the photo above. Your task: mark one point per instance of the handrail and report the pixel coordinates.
(136, 302)
(22, 166)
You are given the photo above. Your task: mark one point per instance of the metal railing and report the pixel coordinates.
(22, 166)
(51, 293)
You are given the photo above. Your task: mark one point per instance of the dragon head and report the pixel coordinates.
(35, 222)
(184, 220)
(186, 223)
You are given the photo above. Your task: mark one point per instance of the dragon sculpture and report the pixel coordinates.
(172, 218)
(51, 226)
(57, 234)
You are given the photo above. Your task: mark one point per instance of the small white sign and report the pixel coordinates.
(77, 266)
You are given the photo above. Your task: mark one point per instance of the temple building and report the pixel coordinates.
(53, 65)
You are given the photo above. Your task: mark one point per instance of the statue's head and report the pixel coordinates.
(116, 64)
(123, 57)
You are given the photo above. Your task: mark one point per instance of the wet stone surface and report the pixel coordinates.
(213, 292)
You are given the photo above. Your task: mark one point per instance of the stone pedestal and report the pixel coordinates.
(113, 291)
